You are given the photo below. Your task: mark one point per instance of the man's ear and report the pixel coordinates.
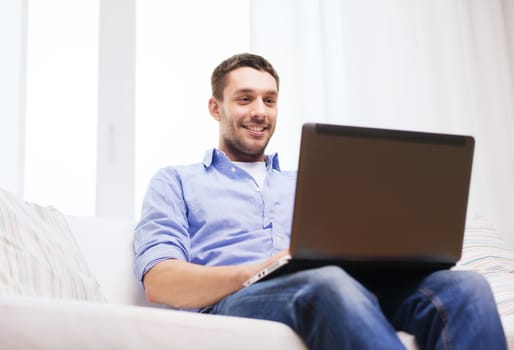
(214, 108)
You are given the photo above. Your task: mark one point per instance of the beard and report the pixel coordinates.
(240, 149)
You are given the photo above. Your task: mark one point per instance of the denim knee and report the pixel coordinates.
(345, 313)
(463, 285)
(331, 284)
(460, 308)
(324, 280)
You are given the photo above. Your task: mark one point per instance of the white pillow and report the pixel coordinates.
(39, 255)
(486, 252)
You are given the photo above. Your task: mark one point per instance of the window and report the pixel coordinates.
(61, 109)
(177, 46)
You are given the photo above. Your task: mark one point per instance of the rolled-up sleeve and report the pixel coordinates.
(162, 233)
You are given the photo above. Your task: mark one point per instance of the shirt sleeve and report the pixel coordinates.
(162, 233)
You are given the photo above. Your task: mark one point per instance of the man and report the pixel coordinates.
(206, 228)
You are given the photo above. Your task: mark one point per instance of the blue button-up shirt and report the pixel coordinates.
(214, 213)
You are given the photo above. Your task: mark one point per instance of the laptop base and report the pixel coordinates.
(368, 273)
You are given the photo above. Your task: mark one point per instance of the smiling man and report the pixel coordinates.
(246, 110)
(207, 227)
(199, 238)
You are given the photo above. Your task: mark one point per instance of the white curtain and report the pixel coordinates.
(428, 65)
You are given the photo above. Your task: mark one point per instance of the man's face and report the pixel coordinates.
(247, 114)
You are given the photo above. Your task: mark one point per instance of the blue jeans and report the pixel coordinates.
(329, 309)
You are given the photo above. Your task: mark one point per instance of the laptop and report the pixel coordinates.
(372, 200)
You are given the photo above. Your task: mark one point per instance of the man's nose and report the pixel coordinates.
(259, 109)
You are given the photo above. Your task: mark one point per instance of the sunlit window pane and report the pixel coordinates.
(62, 69)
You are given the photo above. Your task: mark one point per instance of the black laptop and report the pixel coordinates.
(372, 200)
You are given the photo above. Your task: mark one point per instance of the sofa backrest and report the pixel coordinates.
(107, 246)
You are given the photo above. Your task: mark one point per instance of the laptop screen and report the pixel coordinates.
(366, 194)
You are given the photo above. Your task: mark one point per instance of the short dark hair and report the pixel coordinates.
(219, 75)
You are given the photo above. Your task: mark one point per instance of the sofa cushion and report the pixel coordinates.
(39, 255)
(39, 323)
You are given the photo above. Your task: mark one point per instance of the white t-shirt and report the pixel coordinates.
(256, 169)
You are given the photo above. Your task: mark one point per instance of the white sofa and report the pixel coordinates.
(122, 319)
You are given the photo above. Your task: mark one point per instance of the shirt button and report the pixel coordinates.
(233, 169)
(257, 189)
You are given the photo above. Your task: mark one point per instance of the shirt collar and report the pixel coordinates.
(215, 157)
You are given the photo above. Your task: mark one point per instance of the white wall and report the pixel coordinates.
(428, 65)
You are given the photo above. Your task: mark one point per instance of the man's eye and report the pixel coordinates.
(244, 99)
(269, 101)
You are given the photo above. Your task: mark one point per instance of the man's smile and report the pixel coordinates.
(255, 128)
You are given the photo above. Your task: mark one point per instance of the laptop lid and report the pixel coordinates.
(368, 195)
